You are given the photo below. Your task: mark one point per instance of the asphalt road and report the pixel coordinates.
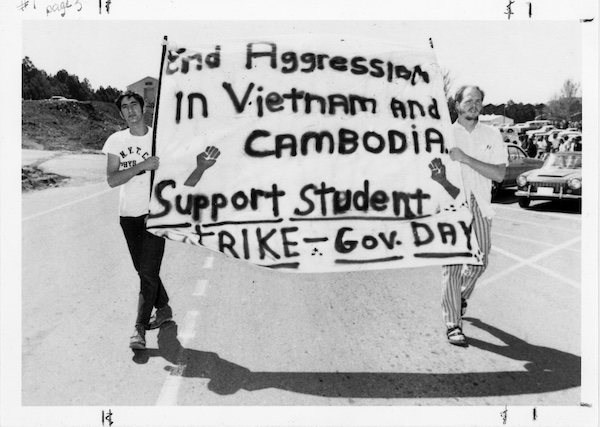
(246, 336)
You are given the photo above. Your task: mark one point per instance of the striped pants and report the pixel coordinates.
(458, 280)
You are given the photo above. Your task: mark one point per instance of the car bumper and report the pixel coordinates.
(546, 196)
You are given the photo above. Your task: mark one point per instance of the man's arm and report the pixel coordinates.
(115, 177)
(490, 171)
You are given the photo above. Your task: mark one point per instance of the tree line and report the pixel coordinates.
(37, 84)
(565, 106)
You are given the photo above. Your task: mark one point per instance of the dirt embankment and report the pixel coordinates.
(71, 126)
(68, 125)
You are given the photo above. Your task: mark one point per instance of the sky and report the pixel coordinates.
(521, 61)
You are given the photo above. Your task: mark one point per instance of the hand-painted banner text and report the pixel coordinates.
(309, 155)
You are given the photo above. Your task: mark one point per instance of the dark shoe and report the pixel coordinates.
(463, 306)
(456, 336)
(138, 339)
(163, 314)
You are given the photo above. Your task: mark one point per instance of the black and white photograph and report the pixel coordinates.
(265, 216)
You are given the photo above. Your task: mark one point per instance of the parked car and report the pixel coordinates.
(518, 162)
(566, 134)
(558, 179)
(531, 125)
(520, 128)
(541, 130)
(570, 130)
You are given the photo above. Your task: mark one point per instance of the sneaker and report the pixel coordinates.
(463, 306)
(138, 339)
(163, 314)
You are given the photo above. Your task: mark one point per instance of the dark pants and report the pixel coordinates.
(146, 251)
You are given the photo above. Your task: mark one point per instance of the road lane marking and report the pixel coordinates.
(541, 224)
(552, 214)
(541, 268)
(189, 327)
(512, 236)
(208, 263)
(66, 205)
(170, 389)
(200, 288)
(530, 262)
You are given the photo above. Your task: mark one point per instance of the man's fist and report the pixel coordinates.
(151, 163)
(457, 154)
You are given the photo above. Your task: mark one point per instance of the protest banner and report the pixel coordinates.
(309, 154)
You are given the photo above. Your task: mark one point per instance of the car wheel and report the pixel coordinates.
(523, 202)
(495, 189)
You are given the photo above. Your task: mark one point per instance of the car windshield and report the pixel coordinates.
(563, 161)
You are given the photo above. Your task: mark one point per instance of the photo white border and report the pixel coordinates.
(12, 414)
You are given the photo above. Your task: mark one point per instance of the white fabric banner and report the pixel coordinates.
(309, 154)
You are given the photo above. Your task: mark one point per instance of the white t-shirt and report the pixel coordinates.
(134, 197)
(485, 144)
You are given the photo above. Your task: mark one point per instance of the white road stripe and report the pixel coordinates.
(67, 204)
(512, 236)
(170, 390)
(208, 263)
(189, 327)
(530, 262)
(188, 331)
(200, 288)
